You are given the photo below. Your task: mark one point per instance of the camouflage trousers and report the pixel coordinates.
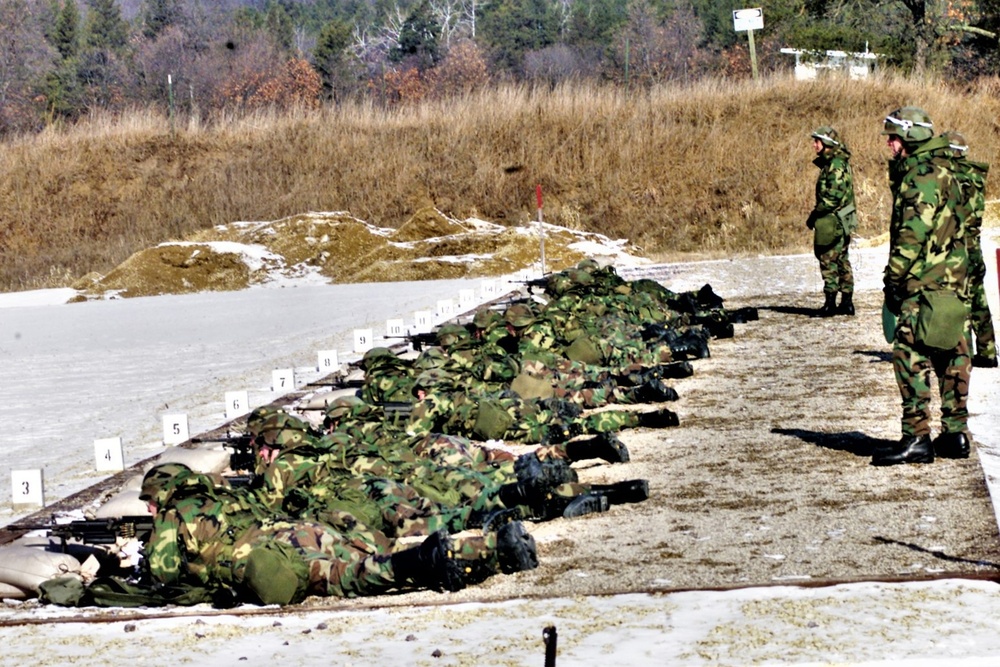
(835, 266)
(325, 561)
(457, 451)
(913, 364)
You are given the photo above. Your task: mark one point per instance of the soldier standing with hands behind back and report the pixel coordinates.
(833, 220)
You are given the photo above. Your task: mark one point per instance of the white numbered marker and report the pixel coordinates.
(108, 454)
(445, 309)
(488, 288)
(283, 380)
(526, 275)
(326, 361)
(26, 487)
(423, 321)
(175, 429)
(466, 298)
(363, 340)
(237, 404)
(395, 328)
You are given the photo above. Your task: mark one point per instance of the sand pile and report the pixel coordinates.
(336, 247)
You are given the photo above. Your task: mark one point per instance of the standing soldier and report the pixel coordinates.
(972, 177)
(925, 286)
(833, 220)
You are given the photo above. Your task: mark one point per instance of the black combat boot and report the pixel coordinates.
(846, 306)
(952, 446)
(658, 419)
(431, 564)
(516, 550)
(535, 473)
(653, 391)
(829, 308)
(744, 315)
(911, 449)
(572, 507)
(604, 446)
(983, 361)
(692, 344)
(629, 491)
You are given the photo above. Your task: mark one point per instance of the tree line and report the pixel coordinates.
(62, 59)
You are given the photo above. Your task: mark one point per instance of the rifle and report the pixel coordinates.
(396, 409)
(97, 531)
(243, 457)
(419, 340)
(341, 383)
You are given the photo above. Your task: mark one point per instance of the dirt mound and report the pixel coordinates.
(339, 248)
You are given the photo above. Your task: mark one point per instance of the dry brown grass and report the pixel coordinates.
(715, 169)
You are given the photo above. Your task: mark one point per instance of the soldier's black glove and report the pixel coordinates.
(892, 302)
(811, 220)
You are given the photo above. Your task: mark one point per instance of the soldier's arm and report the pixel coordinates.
(835, 191)
(920, 203)
(163, 551)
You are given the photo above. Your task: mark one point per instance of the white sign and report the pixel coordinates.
(26, 487)
(445, 309)
(363, 340)
(108, 454)
(395, 328)
(748, 19)
(175, 429)
(237, 404)
(423, 321)
(488, 288)
(466, 298)
(326, 361)
(282, 380)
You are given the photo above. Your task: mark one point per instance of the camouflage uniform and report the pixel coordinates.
(835, 204)
(926, 253)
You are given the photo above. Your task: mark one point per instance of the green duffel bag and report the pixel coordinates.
(492, 420)
(584, 350)
(529, 386)
(827, 231)
(941, 321)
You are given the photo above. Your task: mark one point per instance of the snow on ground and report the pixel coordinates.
(74, 373)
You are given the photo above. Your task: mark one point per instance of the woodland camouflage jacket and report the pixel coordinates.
(926, 236)
(835, 187)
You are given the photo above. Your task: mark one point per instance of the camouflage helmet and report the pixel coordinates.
(956, 142)
(450, 334)
(519, 315)
(486, 318)
(376, 356)
(911, 124)
(341, 407)
(588, 264)
(826, 136)
(160, 481)
(580, 277)
(257, 417)
(430, 357)
(283, 430)
(430, 380)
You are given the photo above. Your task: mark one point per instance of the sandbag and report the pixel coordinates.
(201, 460)
(126, 503)
(27, 567)
(9, 592)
